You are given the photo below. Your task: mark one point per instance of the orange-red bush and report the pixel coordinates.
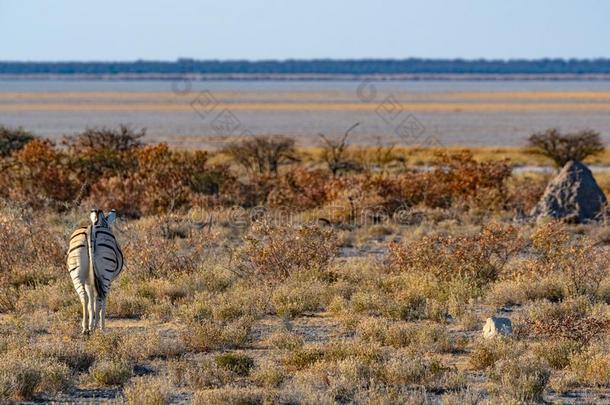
(111, 168)
(466, 179)
(103, 152)
(40, 175)
(477, 259)
(163, 182)
(301, 188)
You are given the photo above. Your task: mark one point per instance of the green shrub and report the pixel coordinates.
(211, 335)
(557, 352)
(407, 369)
(238, 363)
(269, 375)
(110, 372)
(523, 378)
(294, 299)
(285, 340)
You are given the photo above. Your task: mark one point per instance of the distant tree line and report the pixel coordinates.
(318, 66)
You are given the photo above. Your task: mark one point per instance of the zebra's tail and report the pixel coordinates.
(92, 273)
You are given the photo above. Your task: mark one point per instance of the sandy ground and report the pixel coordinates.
(206, 117)
(313, 328)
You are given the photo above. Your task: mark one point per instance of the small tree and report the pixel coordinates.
(103, 152)
(94, 140)
(262, 154)
(13, 139)
(562, 148)
(335, 153)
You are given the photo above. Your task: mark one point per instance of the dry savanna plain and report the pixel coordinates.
(183, 114)
(301, 272)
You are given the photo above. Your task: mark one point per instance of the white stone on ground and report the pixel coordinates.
(495, 326)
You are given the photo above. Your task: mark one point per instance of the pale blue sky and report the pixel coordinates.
(275, 29)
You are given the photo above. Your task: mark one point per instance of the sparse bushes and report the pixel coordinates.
(285, 340)
(110, 372)
(299, 189)
(19, 233)
(307, 355)
(109, 167)
(230, 396)
(198, 374)
(525, 191)
(506, 293)
(295, 298)
(22, 375)
(209, 335)
(153, 391)
(477, 183)
(551, 261)
(237, 363)
(112, 167)
(572, 319)
(395, 322)
(522, 378)
(592, 366)
(162, 182)
(487, 352)
(41, 176)
(13, 139)
(412, 370)
(557, 352)
(23, 261)
(156, 256)
(19, 381)
(581, 263)
(562, 148)
(335, 153)
(261, 155)
(273, 252)
(478, 259)
(269, 375)
(103, 152)
(424, 336)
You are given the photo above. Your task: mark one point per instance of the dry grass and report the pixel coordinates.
(110, 372)
(298, 311)
(153, 391)
(522, 378)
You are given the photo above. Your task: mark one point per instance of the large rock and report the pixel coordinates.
(573, 196)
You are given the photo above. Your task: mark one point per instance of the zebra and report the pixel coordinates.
(94, 261)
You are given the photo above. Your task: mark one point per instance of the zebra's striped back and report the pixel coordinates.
(108, 259)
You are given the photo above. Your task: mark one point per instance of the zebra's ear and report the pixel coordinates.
(111, 217)
(93, 217)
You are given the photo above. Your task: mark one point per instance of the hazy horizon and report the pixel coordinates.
(135, 60)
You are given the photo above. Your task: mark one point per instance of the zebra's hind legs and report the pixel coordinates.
(90, 305)
(85, 323)
(100, 314)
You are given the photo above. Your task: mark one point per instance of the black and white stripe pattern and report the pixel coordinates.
(108, 259)
(94, 261)
(78, 259)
